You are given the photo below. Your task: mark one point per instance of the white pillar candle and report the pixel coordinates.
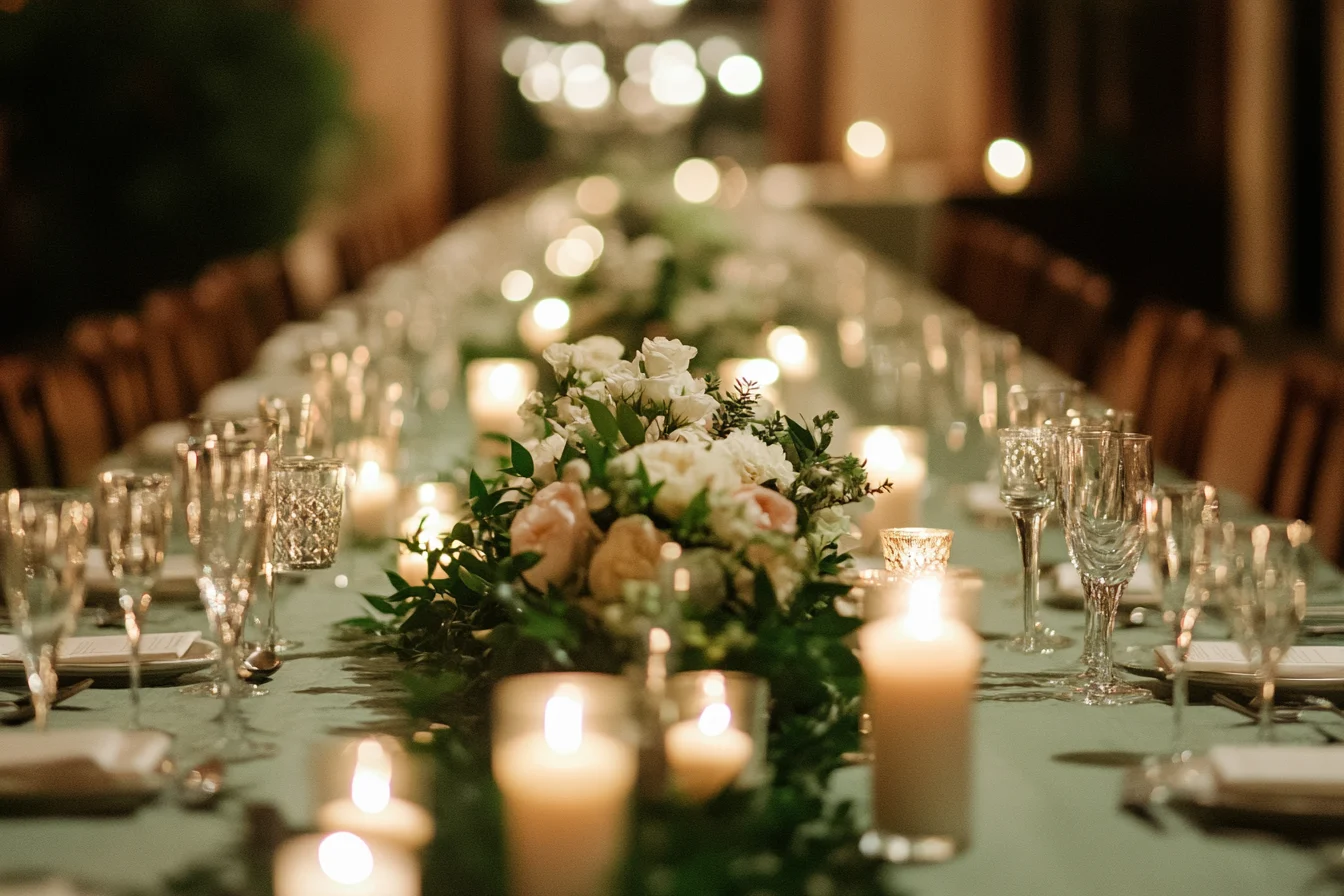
(372, 811)
(372, 497)
(707, 754)
(343, 864)
(890, 455)
(920, 667)
(566, 795)
(496, 387)
(414, 568)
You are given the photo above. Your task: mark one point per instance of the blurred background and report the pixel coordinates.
(1184, 149)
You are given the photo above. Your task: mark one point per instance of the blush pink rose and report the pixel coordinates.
(630, 554)
(768, 509)
(556, 525)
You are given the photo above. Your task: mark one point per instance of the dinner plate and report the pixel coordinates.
(201, 655)
(84, 771)
(1140, 661)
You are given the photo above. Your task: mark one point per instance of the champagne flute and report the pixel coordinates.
(1180, 520)
(1107, 479)
(133, 517)
(1261, 575)
(1027, 489)
(227, 480)
(44, 539)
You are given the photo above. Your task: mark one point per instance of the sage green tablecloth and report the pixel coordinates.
(1047, 818)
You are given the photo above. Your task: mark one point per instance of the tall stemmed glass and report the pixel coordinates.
(226, 481)
(1027, 489)
(134, 511)
(44, 540)
(1107, 479)
(1181, 520)
(308, 494)
(1261, 576)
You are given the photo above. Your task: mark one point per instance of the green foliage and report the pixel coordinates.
(145, 138)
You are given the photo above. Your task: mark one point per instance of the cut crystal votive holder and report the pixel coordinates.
(917, 551)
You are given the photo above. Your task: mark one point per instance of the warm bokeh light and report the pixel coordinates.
(518, 55)
(784, 186)
(866, 139)
(672, 53)
(696, 180)
(677, 84)
(562, 724)
(1007, 166)
(540, 83)
(597, 195)
(587, 87)
(345, 858)
(590, 235)
(579, 54)
(371, 783)
(715, 719)
(715, 50)
(516, 285)
(551, 313)
(639, 60)
(792, 352)
(569, 258)
(740, 75)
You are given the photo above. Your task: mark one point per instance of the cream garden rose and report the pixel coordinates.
(684, 469)
(755, 461)
(629, 554)
(556, 525)
(664, 357)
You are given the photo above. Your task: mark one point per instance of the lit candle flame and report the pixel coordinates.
(427, 493)
(883, 448)
(924, 610)
(563, 725)
(371, 784)
(369, 471)
(715, 719)
(345, 858)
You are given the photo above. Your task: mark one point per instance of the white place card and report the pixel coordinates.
(1067, 580)
(177, 576)
(1280, 770)
(111, 648)
(1323, 662)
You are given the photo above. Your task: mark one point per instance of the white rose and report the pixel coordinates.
(693, 434)
(755, 461)
(829, 525)
(561, 358)
(532, 405)
(623, 381)
(663, 388)
(596, 353)
(664, 356)
(684, 470)
(687, 409)
(545, 453)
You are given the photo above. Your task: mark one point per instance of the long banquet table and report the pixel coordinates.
(1046, 795)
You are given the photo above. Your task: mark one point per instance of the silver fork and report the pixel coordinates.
(1280, 715)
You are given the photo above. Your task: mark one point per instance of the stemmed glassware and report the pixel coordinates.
(307, 498)
(1260, 573)
(44, 540)
(1107, 478)
(1027, 489)
(134, 511)
(1182, 521)
(226, 484)
(1032, 406)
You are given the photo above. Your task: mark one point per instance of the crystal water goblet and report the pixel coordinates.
(227, 479)
(1107, 479)
(44, 540)
(133, 518)
(1261, 572)
(1180, 521)
(1027, 488)
(308, 494)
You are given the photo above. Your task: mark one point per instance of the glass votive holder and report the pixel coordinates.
(309, 496)
(344, 864)
(372, 499)
(718, 737)
(372, 787)
(496, 388)
(916, 551)
(566, 760)
(896, 455)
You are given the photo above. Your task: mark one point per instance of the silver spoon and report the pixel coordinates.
(199, 786)
(261, 663)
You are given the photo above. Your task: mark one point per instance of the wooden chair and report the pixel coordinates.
(219, 299)
(186, 360)
(75, 419)
(372, 237)
(112, 351)
(23, 432)
(312, 271)
(1066, 319)
(1125, 376)
(261, 279)
(1305, 475)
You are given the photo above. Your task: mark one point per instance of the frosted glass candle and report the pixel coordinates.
(707, 754)
(343, 864)
(891, 453)
(920, 667)
(370, 809)
(496, 387)
(373, 494)
(565, 763)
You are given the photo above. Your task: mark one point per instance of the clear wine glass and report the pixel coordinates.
(1261, 574)
(43, 545)
(134, 512)
(1027, 489)
(227, 480)
(1107, 478)
(1180, 520)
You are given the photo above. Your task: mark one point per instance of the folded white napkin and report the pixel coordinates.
(114, 751)
(982, 499)
(1324, 662)
(1280, 770)
(111, 649)
(1068, 582)
(177, 578)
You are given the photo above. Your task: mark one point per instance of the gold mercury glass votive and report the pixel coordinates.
(917, 551)
(565, 759)
(719, 737)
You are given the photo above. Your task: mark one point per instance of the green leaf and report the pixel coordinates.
(462, 534)
(603, 421)
(397, 581)
(380, 604)
(801, 437)
(631, 426)
(521, 458)
(476, 487)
